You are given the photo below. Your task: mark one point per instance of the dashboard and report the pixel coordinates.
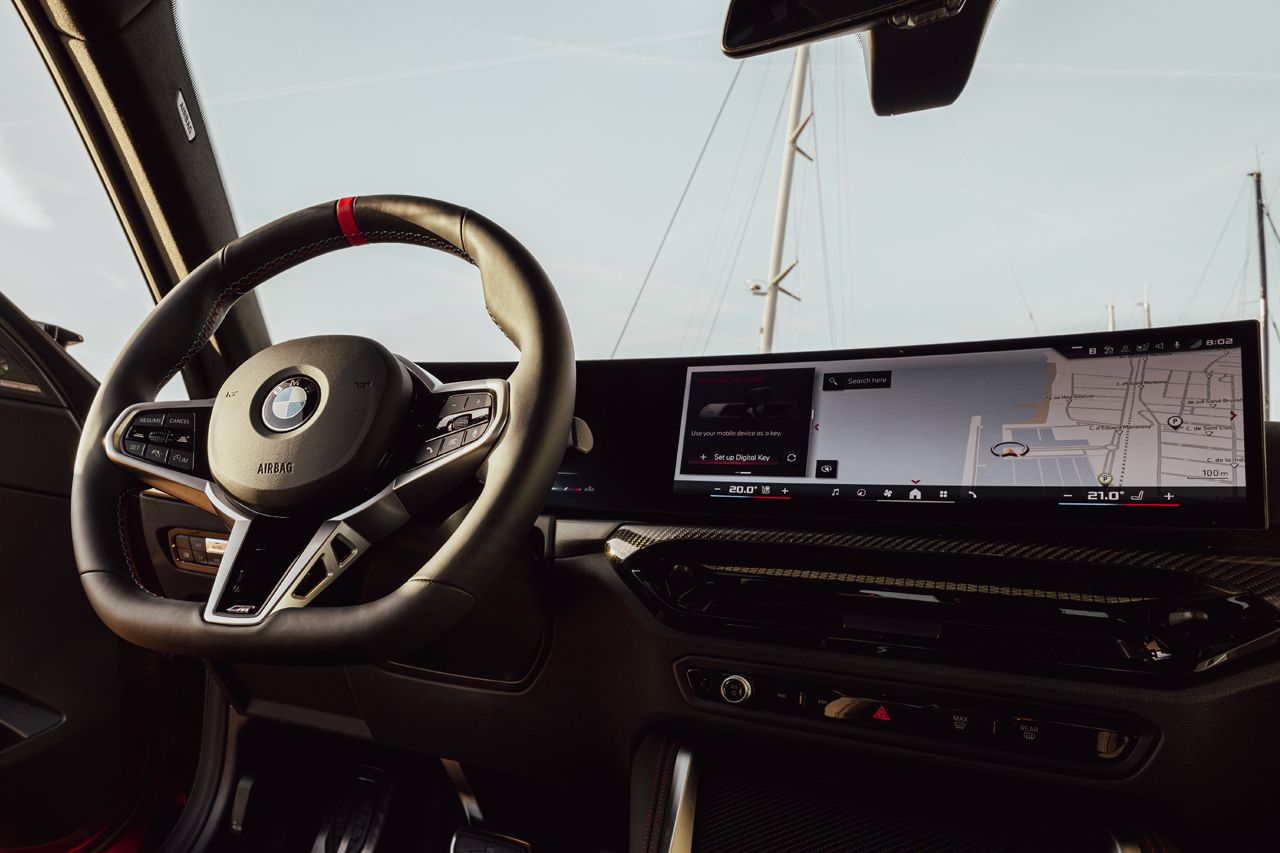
(1144, 428)
(1082, 595)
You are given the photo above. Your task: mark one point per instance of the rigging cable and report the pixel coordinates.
(845, 286)
(1239, 281)
(727, 273)
(703, 278)
(1204, 273)
(679, 203)
(991, 221)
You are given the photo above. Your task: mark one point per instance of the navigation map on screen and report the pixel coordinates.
(1157, 422)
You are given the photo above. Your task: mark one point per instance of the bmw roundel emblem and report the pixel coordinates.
(290, 403)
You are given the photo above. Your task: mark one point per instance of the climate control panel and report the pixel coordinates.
(1003, 730)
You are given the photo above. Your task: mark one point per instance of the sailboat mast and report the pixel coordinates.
(794, 127)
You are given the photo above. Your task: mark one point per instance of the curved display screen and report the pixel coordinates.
(1143, 428)
(1153, 420)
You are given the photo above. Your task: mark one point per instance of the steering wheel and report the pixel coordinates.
(315, 449)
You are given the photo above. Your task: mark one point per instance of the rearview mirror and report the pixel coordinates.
(759, 26)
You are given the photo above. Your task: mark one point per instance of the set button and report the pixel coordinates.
(162, 438)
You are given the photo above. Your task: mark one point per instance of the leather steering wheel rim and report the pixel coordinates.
(517, 472)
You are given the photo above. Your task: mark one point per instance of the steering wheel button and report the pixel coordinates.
(158, 436)
(180, 439)
(181, 459)
(156, 453)
(473, 434)
(428, 451)
(149, 419)
(455, 404)
(479, 401)
(136, 434)
(452, 441)
(180, 420)
(460, 422)
(135, 448)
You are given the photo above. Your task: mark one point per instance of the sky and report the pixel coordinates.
(1098, 154)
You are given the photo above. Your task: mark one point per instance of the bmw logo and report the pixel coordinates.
(290, 403)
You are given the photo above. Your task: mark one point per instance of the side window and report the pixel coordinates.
(66, 258)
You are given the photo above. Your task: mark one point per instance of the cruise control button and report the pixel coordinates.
(452, 441)
(180, 439)
(158, 436)
(480, 401)
(428, 451)
(135, 448)
(473, 434)
(455, 404)
(154, 453)
(460, 422)
(149, 419)
(180, 420)
(135, 434)
(181, 459)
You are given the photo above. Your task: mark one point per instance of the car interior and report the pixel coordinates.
(1017, 594)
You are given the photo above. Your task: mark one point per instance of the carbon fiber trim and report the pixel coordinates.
(930, 585)
(1255, 573)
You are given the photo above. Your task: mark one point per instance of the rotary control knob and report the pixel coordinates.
(735, 689)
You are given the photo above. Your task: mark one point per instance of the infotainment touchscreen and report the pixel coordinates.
(1152, 426)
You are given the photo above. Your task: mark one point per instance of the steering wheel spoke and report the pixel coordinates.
(275, 563)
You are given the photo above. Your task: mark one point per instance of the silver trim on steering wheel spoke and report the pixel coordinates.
(333, 547)
(190, 488)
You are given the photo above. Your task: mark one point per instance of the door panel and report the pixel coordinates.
(75, 702)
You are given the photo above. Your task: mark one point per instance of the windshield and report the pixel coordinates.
(1097, 158)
